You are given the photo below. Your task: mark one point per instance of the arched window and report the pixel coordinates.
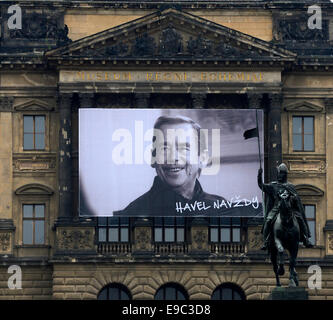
(228, 291)
(171, 291)
(114, 291)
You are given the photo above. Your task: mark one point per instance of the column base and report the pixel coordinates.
(289, 293)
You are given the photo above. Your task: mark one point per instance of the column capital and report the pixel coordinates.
(142, 100)
(254, 100)
(198, 100)
(6, 104)
(64, 100)
(275, 99)
(86, 100)
(329, 104)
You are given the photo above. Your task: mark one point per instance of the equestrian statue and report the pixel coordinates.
(285, 223)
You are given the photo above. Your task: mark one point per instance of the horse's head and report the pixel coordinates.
(285, 204)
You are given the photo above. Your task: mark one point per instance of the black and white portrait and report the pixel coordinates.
(169, 162)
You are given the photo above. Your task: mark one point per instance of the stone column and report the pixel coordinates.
(86, 100)
(142, 100)
(198, 100)
(254, 100)
(274, 134)
(329, 178)
(7, 229)
(65, 157)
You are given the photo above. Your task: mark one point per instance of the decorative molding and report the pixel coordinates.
(34, 189)
(297, 29)
(33, 105)
(170, 34)
(142, 239)
(308, 190)
(42, 26)
(329, 243)
(303, 106)
(6, 104)
(5, 242)
(23, 163)
(73, 239)
(255, 239)
(307, 166)
(199, 238)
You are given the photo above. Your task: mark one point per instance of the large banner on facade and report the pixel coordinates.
(170, 162)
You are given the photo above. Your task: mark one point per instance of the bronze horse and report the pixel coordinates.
(286, 235)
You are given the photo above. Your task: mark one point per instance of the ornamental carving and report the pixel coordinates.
(200, 239)
(41, 26)
(254, 240)
(6, 103)
(144, 45)
(330, 242)
(4, 242)
(68, 239)
(170, 42)
(200, 46)
(298, 30)
(143, 238)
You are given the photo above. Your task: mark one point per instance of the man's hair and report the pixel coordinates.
(182, 119)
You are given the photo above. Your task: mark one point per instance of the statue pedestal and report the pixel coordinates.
(289, 293)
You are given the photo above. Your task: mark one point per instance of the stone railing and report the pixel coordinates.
(170, 248)
(114, 248)
(227, 248)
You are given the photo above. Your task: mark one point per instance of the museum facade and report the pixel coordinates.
(101, 54)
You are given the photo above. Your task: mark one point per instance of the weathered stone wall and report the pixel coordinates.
(36, 284)
(82, 23)
(257, 281)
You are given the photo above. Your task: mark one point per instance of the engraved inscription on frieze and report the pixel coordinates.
(219, 76)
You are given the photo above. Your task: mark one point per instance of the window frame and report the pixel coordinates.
(230, 226)
(173, 226)
(34, 133)
(33, 219)
(178, 287)
(109, 226)
(120, 287)
(312, 219)
(233, 287)
(302, 116)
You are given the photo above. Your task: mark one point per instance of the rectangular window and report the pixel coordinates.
(169, 229)
(33, 224)
(225, 230)
(303, 133)
(33, 132)
(113, 229)
(310, 214)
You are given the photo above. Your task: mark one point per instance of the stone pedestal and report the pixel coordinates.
(289, 293)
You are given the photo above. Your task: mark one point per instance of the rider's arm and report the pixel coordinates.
(264, 187)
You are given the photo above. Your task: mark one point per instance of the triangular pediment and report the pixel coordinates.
(171, 35)
(33, 105)
(303, 106)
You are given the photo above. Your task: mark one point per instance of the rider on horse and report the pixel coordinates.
(273, 190)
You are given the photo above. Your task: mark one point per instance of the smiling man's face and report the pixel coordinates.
(177, 157)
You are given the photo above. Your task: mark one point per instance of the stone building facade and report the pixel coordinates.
(87, 54)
